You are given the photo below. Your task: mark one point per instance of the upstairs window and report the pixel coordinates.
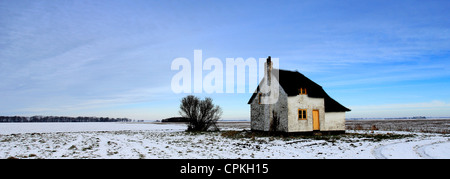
(301, 114)
(302, 91)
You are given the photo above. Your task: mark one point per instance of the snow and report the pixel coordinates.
(16, 128)
(134, 140)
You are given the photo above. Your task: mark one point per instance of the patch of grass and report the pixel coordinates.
(347, 137)
(73, 147)
(380, 137)
(87, 148)
(233, 134)
(11, 157)
(193, 133)
(253, 134)
(350, 137)
(6, 140)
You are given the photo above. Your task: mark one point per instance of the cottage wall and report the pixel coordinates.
(281, 109)
(335, 121)
(259, 115)
(262, 114)
(308, 103)
(287, 111)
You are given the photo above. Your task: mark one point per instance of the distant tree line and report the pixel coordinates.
(60, 119)
(176, 119)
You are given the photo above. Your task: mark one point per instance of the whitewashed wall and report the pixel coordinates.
(334, 121)
(287, 110)
(304, 102)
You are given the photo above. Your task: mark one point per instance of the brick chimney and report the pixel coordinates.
(268, 70)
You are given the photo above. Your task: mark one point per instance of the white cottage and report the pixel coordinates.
(302, 105)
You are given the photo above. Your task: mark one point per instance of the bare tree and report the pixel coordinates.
(202, 114)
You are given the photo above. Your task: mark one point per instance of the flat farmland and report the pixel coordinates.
(441, 126)
(417, 125)
(383, 139)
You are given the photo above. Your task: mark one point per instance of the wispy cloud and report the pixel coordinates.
(65, 56)
(431, 104)
(433, 108)
(71, 104)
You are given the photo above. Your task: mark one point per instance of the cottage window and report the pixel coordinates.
(301, 114)
(302, 91)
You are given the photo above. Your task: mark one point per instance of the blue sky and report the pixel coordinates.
(112, 58)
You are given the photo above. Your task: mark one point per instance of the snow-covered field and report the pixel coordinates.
(123, 140)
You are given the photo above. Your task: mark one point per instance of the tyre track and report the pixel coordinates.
(410, 149)
(420, 150)
(377, 151)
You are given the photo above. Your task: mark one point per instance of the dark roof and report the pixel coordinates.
(291, 81)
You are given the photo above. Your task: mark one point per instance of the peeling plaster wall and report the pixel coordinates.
(259, 115)
(281, 107)
(262, 114)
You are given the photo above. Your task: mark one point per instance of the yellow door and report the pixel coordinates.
(316, 124)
